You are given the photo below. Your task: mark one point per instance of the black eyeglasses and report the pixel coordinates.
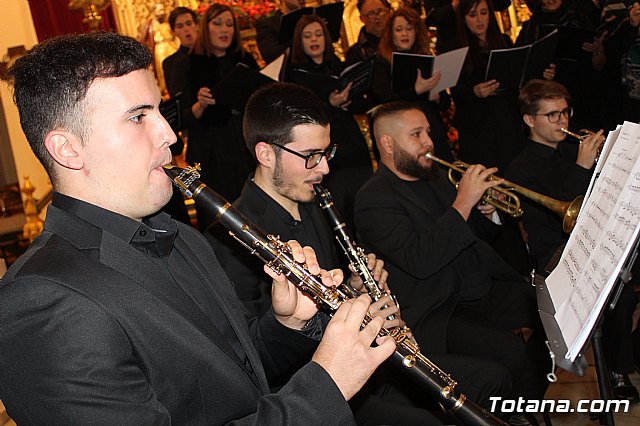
(554, 116)
(373, 13)
(314, 158)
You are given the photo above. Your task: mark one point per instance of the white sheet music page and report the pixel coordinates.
(600, 242)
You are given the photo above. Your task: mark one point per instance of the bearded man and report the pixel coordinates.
(456, 293)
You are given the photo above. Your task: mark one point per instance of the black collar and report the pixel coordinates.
(154, 235)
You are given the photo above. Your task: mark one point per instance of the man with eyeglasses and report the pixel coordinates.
(374, 15)
(287, 129)
(553, 166)
(550, 164)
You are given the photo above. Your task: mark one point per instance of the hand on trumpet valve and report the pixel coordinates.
(475, 181)
(589, 149)
(487, 209)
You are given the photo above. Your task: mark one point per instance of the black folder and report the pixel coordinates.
(570, 41)
(331, 13)
(512, 67)
(507, 66)
(404, 67)
(542, 54)
(235, 88)
(359, 74)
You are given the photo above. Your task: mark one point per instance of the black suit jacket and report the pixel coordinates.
(420, 248)
(251, 284)
(92, 333)
(175, 69)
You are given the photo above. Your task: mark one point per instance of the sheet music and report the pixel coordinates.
(450, 65)
(602, 158)
(600, 243)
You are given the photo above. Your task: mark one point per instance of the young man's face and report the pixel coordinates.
(291, 179)
(186, 29)
(542, 129)
(126, 146)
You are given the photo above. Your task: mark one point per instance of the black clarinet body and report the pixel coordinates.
(355, 254)
(277, 255)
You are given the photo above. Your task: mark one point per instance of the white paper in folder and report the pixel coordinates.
(601, 241)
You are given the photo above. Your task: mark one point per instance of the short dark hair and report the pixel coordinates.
(386, 110)
(181, 10)
(274, 110)
(361, 3)
(51, 81)
(536, 90)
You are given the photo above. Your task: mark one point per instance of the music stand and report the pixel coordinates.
(559, 347)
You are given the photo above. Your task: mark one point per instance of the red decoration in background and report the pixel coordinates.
(52, 18)
(246, 14)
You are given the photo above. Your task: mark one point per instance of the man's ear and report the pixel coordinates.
(385, 144)
(64, 148)
(265, 155)
(528, 120)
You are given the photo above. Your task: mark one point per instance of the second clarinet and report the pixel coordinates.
(355, 254)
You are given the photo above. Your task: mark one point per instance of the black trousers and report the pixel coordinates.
(391, 398)
(486, 329)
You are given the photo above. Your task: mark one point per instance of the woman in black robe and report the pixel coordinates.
(215, 140)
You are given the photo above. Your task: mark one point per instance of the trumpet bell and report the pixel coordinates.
(570, 215)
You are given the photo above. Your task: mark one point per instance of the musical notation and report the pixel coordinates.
(603, 237)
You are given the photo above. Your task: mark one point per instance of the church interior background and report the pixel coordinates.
(24, 186)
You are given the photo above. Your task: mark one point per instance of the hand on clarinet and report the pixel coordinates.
(385, 307)
(345, 351)
(293, 308)
(475, 181)
(376, 266)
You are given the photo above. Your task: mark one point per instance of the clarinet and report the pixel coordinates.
(277, 256)
(355, 254)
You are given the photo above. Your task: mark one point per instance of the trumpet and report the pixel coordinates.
(584, 133)
(567, 210)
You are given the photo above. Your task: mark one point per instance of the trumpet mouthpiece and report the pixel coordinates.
(576, 135)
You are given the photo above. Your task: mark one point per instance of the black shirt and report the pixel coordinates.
(554, 173)
(154, 236)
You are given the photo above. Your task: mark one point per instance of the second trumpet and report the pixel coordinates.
(567, 210)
